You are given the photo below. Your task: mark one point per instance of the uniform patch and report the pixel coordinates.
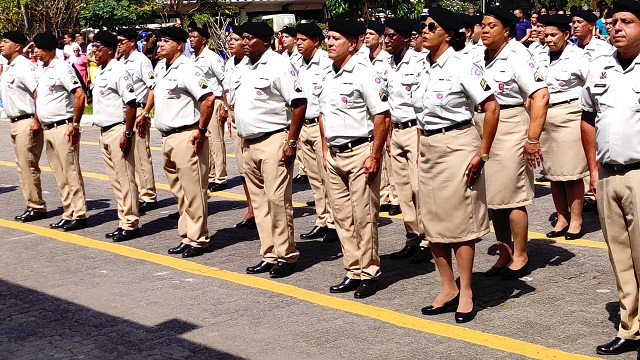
(70, 72)
(151, 75)
(101, 92)
(169, 92)
(130, 87)
(439, 96)
(126, 78)
(198, 73)
(484, 85)
(501, 86)
(419, 74)
(599, 85)
(561, 84)
(74, 80)
(537, 77)
(408, 88)
(603, 75)
(377, 79)
(532, 64)
(477, 73)
(50, 88)
(344, 99)
(203, 83)
(296, 86)
(292, 72)
(259, 92)
(384, 96)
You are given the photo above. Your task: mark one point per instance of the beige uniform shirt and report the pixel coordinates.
(540, 53)
(567, 74)
(230, 68)
(474, 52)
(113, 89)
(262, 94)
(18, 84)
(448, 91)
(401, 80)
(614, 94)
(596, 48)
(177, 92)
(349, 100)
(55, 83)
(140, 68)
(310, 73)
(213, 67)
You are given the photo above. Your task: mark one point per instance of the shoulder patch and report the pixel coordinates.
(130, 87)
(384, 96)
(484, 85)
(151, 75)
(203, 83)
(532, 64)
(477, 72)
(377, 79)
(537, 77)
(296, 86)
(74, 80)
(292, 72)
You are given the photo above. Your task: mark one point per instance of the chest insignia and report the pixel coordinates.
(603, 75)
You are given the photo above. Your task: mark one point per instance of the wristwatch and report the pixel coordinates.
(76, 125)
(128, 134)
(203, 131)
(292, 144)
(145, 114)
(484, 157)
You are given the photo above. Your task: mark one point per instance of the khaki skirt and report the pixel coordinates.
(508, 176)
(451, 211)
(562, 153)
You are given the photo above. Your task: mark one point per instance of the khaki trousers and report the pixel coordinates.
(388, 195)
(122, 176)
(311, 150)
(237, 144)
(187, 175)
(302, 170)
(144, 167)
(618, 198)
(64, 160)
(404, 155)
(355, 209)
(269, 184)
(28, 150)
(218, 157)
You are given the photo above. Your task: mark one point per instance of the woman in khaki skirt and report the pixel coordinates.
(509, 178)
(564, 160)
(451, 182)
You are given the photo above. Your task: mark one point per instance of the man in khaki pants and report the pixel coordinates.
(18, 94)
(139, 66)
(59, 107)
(355, 123)
(261, 93)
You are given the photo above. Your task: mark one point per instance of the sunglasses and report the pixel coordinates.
(391, 36)
(432, 27)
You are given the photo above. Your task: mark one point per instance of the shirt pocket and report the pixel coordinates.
(603, 95)
(49, 84)
(504, 78)
(171, 90)
(561, 80)
(439, 92)
(262, 89)
(345, 97)
(407, 82)
(635, 106)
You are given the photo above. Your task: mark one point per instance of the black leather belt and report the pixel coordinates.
(109, 127)
(405, 125)
(21, 117)
(621, 167)
(480, 110)
(141, 105)
(310, 121)
(58, 123)
(350, 145)
(267, 134)
(445, 129)
(562, 102)
(178, 129)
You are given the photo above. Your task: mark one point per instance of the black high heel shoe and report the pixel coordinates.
(509, 274)
(432, 310)
(462, 318)
(494, 271)
(574, 236)
(559, 233)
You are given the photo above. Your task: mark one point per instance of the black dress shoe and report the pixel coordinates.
(311, 203)
(193, 251)
(494, 271)
(213, 187)
(262, 267)
(509, 274)
(19, 217)
(174, 216)
(114, 233)
(559, 233)
(589, 204)
(385, 207)
(618, 346)
(182, 247)
(147, 206)
(300, 179)
(282, 269)
(395, 210)
(423, 255)
(347, 284)
(60, 224)
(331, 236)
(574, 236)
(367, 288)
(406, 252)
(553, 217)
(250, 223)
(462, 318)
(32, 215)
(542, 178)
(125, 235)
(76, 224)
(448, 306)
(316, 233)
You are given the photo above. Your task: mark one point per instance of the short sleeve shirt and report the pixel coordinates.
(401, 80)
(113, 89)
(567, 74)
(177, 92)
(540, 53)
(230, 69)
(310, 74)
(55, 83)
(521, 29)
(18, 85)
(349, 100)
(596, 48)
(213, 65)
(139, 66)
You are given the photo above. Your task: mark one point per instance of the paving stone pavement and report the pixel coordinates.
(62, 300)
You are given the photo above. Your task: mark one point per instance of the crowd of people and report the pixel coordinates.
(447, 116)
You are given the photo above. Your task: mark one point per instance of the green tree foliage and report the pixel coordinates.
(460, 6)
(358, 9)
(33, 16)
(111, 14)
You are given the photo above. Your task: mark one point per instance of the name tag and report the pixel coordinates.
(600, 85)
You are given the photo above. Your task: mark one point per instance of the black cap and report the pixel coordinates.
(259, 29)
(237, 29)
(376, 26)
(351, 28)
(562, 22)
(201, 31)
(505, 16)
(291, 31)
(174, 33)
(130, 34)
(471, 20)
(587, 15)
(46, 41)
(627, 6)
(192, 24)
(16, 37)
(403, 27)
(416, 25)
(310, 30)
(105, 38)
(447, 19)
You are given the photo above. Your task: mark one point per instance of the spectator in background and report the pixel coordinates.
(553, 10)
(81, 67)
(80, 41)
(534, 29)
(601, 30)
(471, 11)
(543, 10)
(68, 48)
(523, 27)
(142, 40)
(149, 48)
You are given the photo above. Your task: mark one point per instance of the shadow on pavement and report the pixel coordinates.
(613, 308)
(7, 189)
(39, 326)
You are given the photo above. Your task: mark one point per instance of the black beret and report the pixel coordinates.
(174, 33)
(627, 6)
(259, 29)
(416, 25)
(350, 28)
(45, 41)
(201, 31)
(376, 26)
(130, 34)
(470, 20)
(237, 29)
(310, 30)
(291, 31)
(192, 24)
(562, 22)
(587, 15)
(401, 26)
(16, 37)
(105, 38)
(505, 16)
(446, 18)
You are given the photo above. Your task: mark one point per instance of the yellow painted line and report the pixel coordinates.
(476, 337)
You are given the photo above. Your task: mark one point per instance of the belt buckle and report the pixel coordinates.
(401, 126)
(618, 167)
